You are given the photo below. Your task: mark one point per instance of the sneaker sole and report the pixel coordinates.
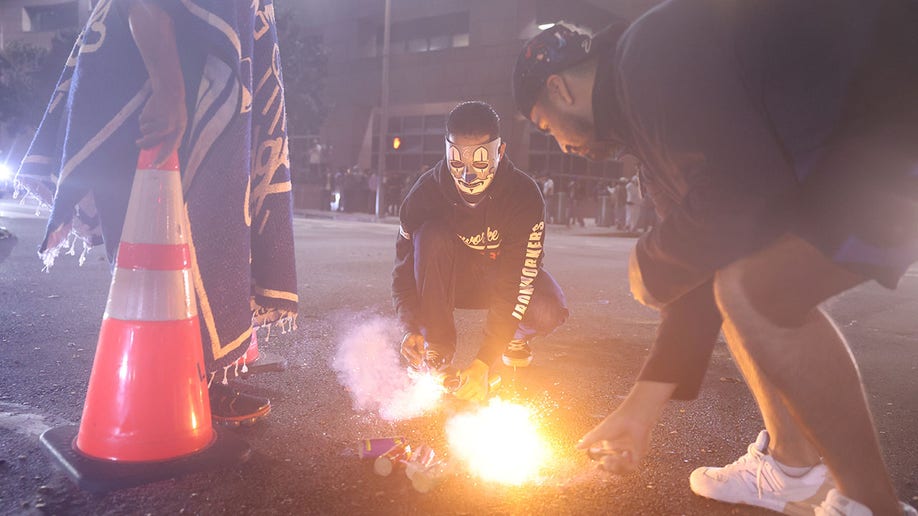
(793, 508)
(516, 362)
(236, 422)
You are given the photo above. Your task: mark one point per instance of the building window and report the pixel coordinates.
(420, 143)
(461, 40)
(45, 18)
(417, 35)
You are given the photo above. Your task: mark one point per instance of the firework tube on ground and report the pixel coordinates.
(420, 469)
(372, 448)
(423, 480)
(385, 463)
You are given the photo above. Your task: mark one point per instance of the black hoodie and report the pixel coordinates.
(508, 225)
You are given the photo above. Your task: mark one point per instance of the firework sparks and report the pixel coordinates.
(500, 442)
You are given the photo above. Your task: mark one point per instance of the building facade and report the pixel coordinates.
(442, 52)
(37, 22)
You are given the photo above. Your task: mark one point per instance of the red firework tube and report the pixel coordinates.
(418, 469)
(423, 479)
(386, 462)
(372, 448)
(423, 456)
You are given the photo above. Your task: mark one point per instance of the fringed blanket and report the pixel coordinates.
(234, 159)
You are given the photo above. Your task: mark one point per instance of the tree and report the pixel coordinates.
(20, 90)
(305, 65)
(28, 75)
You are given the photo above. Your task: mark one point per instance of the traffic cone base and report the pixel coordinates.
(99, 476)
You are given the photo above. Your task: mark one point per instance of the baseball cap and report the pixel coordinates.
(550, 52)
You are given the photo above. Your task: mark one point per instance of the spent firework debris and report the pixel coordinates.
(385, 463)
(423, 479)
(372, 448)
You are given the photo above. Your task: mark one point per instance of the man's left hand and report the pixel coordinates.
(474, 382)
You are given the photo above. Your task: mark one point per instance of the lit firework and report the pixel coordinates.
(420, 394)
(499, 442)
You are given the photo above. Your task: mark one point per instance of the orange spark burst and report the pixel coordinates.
(500, 442)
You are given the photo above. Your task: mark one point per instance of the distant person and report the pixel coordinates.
(153, 73)
(620, 191)
(779, 140)
(471, 236)
(314, 156)
(392, 189)
(578, 196)
(632, 203)
(548, 193)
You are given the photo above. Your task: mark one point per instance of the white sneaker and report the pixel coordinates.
(757, 479)
(837, 504)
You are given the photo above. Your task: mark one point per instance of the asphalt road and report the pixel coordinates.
(304, 459)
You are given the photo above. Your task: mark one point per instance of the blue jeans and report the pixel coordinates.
(450, 275)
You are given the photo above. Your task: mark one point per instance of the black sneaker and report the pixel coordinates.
(229, 407)
(517, 354)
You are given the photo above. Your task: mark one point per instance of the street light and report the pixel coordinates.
(6, 173)
(383, 112)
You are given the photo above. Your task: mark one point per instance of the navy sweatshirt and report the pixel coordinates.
(508, 225)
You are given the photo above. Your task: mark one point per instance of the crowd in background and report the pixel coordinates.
(568, 200)
(619, 203)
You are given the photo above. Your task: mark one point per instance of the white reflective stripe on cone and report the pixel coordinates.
(156, 195)
(142, 295)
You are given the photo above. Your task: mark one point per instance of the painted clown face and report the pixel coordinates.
(473, 166)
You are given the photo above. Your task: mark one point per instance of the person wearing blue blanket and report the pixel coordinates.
(203, 78)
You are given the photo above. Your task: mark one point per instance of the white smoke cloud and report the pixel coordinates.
(368, 364)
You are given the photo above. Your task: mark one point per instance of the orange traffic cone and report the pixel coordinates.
(260, 361)
(147, 413)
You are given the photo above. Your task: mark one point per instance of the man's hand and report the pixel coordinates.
(621, 440)
(638, 289)
(164, 116)
(162, 122)
(473, 384)
(413, 348)
(623, 437)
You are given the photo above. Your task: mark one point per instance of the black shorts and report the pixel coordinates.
(859, 202)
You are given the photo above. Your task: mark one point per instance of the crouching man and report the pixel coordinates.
(471, 236)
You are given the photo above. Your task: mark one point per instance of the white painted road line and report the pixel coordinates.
(12, 209)
(21, 419)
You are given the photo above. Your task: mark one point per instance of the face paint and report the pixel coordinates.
(473, 166)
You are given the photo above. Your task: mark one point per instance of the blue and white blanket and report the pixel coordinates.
(234, 159)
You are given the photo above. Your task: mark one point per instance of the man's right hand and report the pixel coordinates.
(162, 122)
(164, 116)
(622, 439)
(413, 348)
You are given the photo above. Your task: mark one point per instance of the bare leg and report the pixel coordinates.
(787, 444)
(771, 320)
